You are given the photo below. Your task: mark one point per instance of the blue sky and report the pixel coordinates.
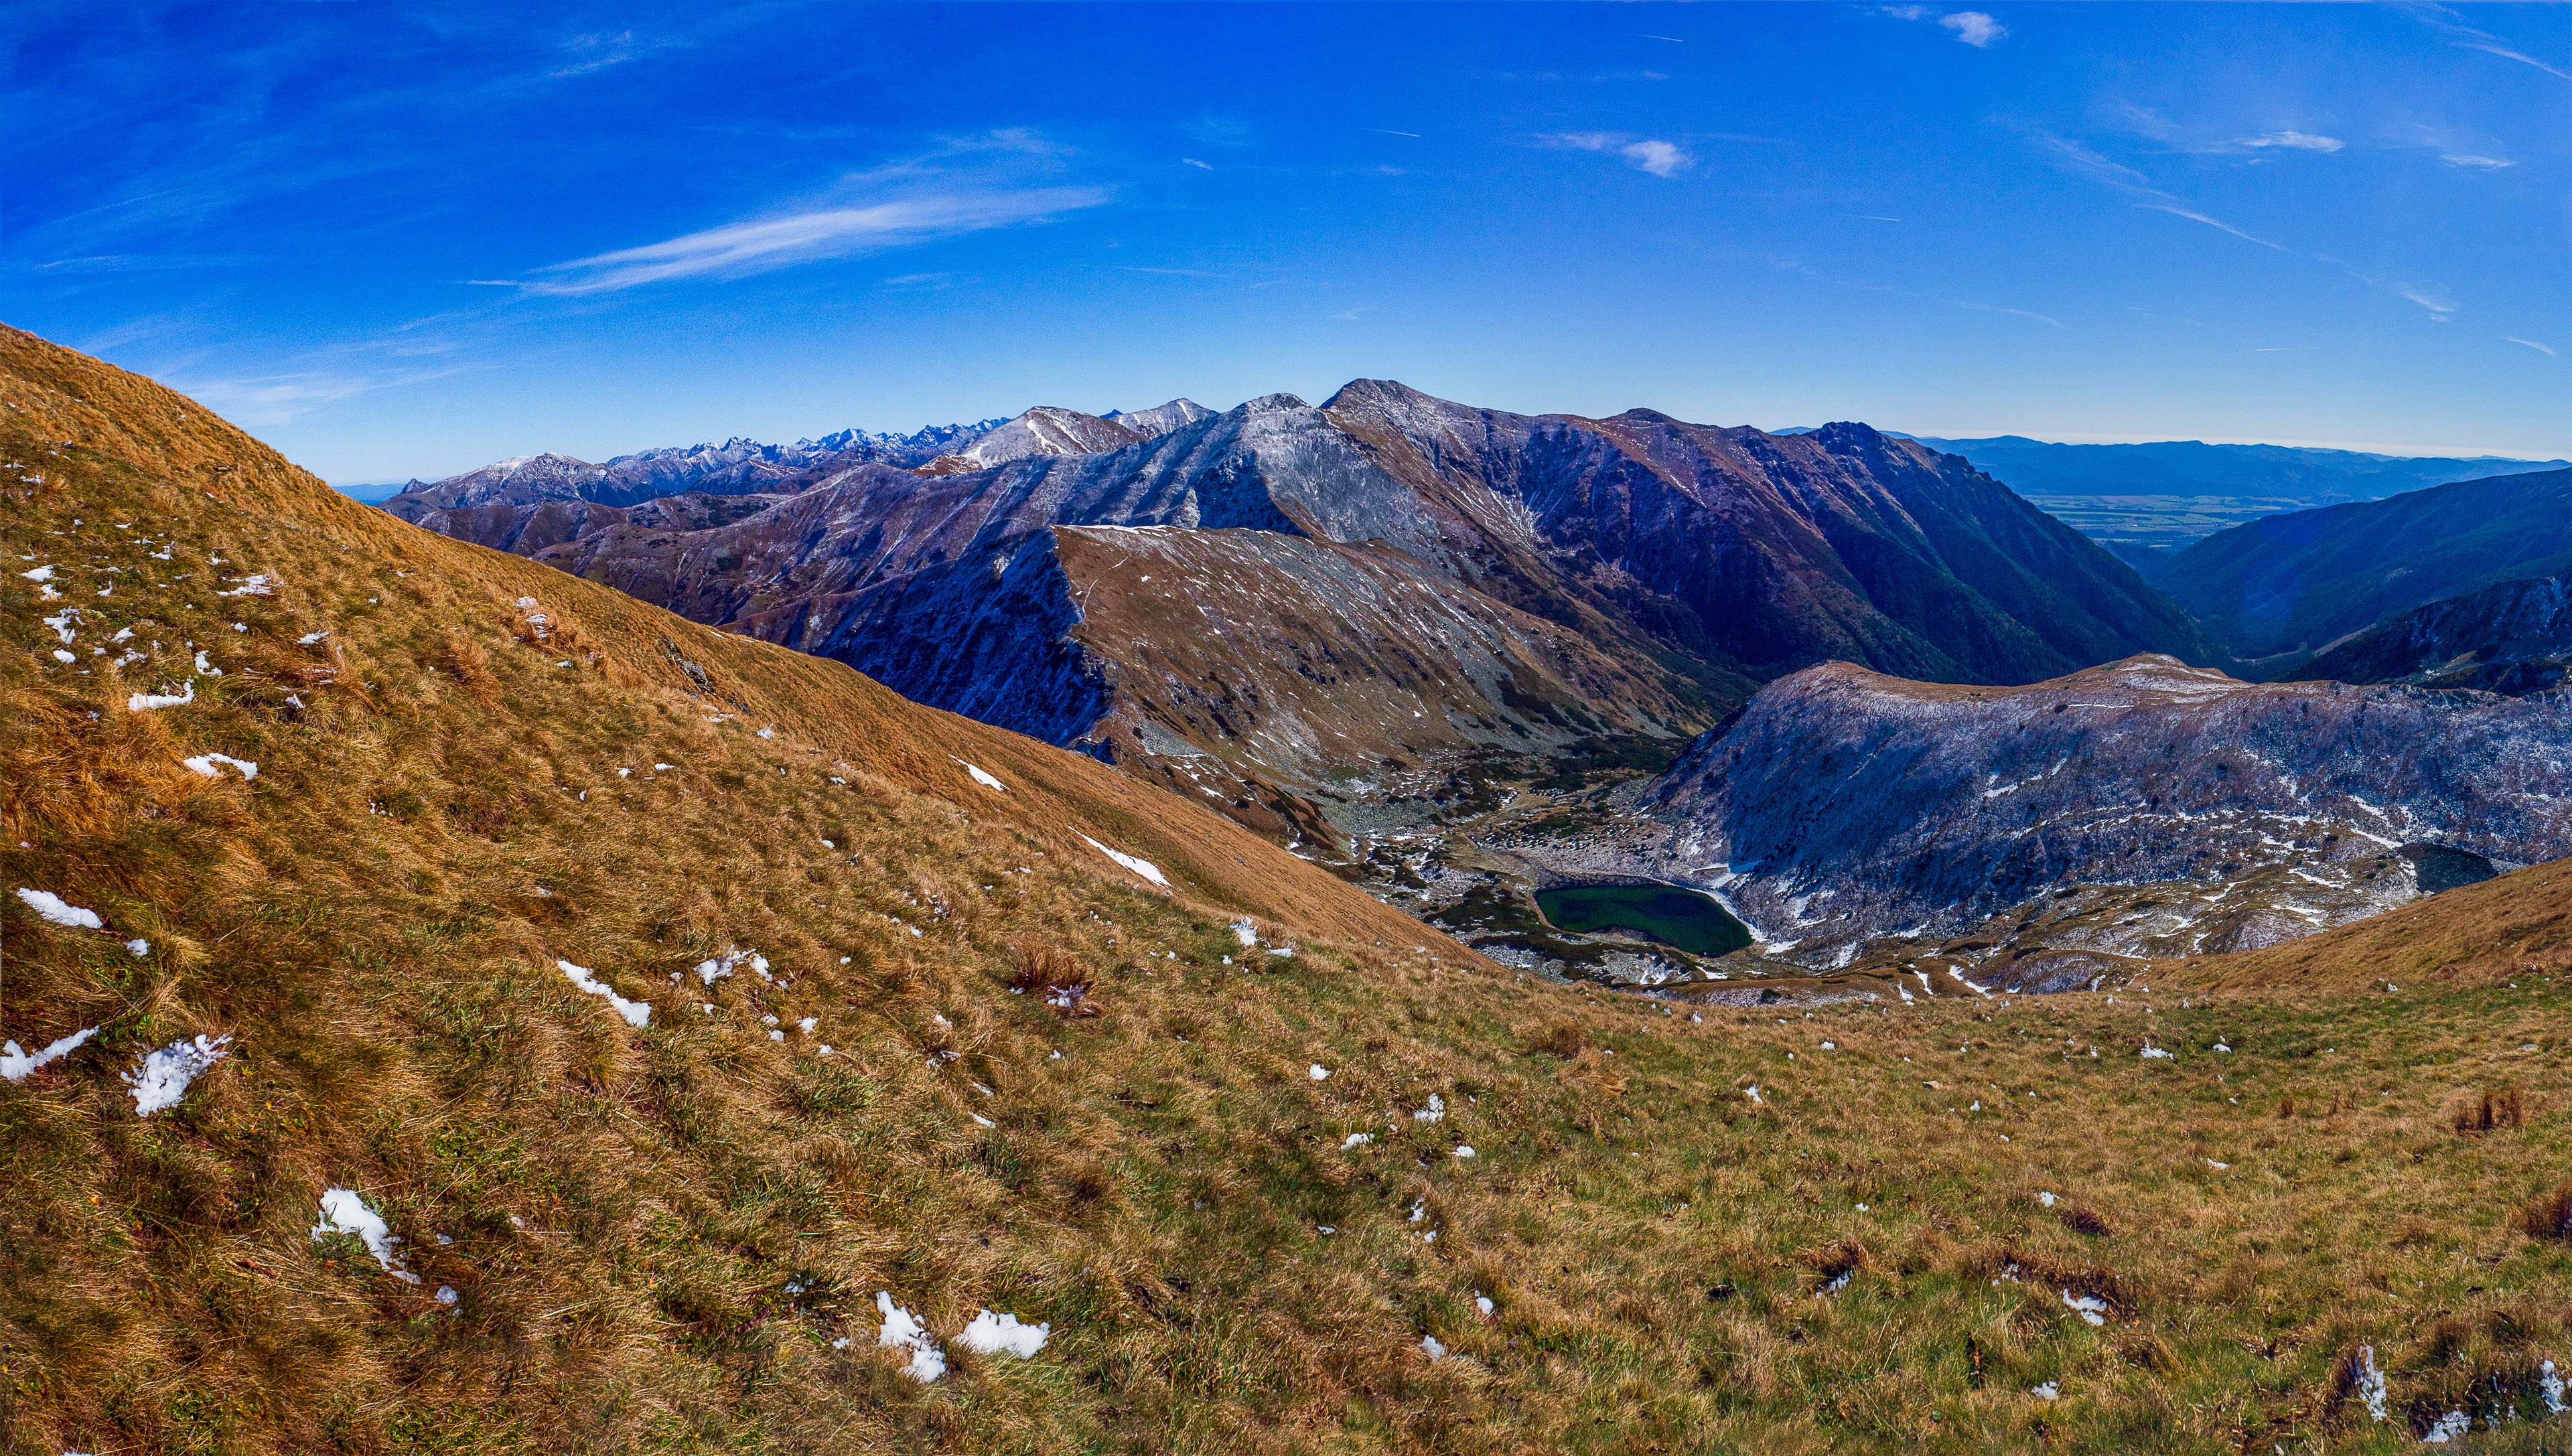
(405, 240)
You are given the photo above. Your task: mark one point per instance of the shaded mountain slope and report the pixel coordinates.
(2278, 591)
(1848, 804)
(2511, 638)
(695, 1232)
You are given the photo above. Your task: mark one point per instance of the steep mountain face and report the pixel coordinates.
(2513, 638)
(2278, 591)
(1050, 430)
(1845, 804)
(1651, 570)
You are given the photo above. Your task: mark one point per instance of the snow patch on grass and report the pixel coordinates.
(163, 1077)
(636, 1013)
(903, 1331)
(343, 1211)
(15, 1066)
(204, 763)
(1144, 868)
(49, 905)
(991, 1333)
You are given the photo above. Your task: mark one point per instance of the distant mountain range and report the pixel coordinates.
(1288, 605)
(2144, 500)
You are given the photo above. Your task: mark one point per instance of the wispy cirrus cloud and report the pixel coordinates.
(965, 185)
(2135, 186)
(1644, 154)
(740, 249)
(2544, 349)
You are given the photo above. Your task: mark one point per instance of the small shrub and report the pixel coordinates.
(1059, 980)
(1566, 1040)
(2080, 1218)
(2549, 1215)
(2503, 1108)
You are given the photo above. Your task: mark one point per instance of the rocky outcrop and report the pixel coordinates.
(2513, 638)
(1844, 804)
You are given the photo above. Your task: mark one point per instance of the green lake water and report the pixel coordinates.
(1681, 917)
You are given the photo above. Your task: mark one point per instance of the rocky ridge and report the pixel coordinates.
(1846, 807)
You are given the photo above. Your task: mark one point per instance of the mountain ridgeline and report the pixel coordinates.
(1292, 605)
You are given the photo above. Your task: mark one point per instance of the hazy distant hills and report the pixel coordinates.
(2282, 588)
(1316, 596)
(2163, 496)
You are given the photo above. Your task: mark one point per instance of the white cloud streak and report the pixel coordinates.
(2530, 343)
(2176, 211)
(2294, 140)
(761, 245)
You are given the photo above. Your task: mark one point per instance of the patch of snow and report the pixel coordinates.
(446, 1294)
(163, 1077)
(1464, 1149)
(2090, 1310)
(343, 1211)
(1430, 1346)
(143, 702)
(1754, 1094)
(2549, 1383)
(1354, 1140)
(1246, 933)
(1317, 1071)
(986, 780)
(903, 1331)
(1433, 1112)
(2047, 1391)
(2370, 1385)
(254, 585)
(2047, 1199)
(1144, 868)
(49, 905)
(139, 946)
(2450, 1427)
(990, 1333)
(15, 1065)
(205, 764)
(2150, 1051)
(636, 1013)
(722, 965)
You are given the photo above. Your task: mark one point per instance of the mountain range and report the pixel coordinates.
(1634, 576)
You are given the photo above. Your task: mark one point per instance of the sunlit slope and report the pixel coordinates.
(1239, 1199)
(406, 609)
(2517, 925)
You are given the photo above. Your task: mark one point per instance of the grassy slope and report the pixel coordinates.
(657, 1235)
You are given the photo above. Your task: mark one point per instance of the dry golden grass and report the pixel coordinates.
(656, 1234)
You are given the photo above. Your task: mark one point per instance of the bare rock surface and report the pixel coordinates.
(1845, 806)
